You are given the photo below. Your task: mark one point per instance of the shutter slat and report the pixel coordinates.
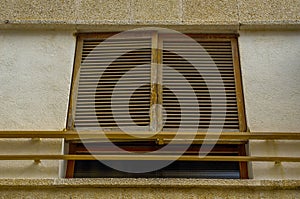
(94, 109)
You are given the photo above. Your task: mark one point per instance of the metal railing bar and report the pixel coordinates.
(151, 157)
(73, 135)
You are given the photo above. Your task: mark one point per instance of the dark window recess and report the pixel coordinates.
(177, 169)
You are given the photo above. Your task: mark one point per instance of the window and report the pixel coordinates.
(155, 82)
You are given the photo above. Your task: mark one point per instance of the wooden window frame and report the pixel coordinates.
(157, 58)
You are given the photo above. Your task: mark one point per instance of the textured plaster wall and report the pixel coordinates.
(270, 64)
(146, 192)
(35, 76)
(148, 188)
(201, 13)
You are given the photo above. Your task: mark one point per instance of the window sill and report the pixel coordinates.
(150, 183)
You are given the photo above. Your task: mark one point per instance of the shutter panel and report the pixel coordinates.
(210, 73)
(105, 96)
(107, 99)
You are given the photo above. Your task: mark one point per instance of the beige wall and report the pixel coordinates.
(270, 65)
(35, 76)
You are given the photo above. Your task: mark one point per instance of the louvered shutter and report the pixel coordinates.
(114, 84)
(209, 71)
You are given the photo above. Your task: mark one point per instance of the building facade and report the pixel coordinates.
(37, 53)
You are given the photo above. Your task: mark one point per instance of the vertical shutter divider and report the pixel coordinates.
(160, 85)
(153, 100)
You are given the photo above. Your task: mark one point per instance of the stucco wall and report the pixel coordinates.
(35, 76)
(137, 12)
(148, 188)
(270, 65)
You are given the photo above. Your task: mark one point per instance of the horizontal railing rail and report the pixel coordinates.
(150, 157)
(69, 135)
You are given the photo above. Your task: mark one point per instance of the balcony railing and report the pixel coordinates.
(160, 137)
